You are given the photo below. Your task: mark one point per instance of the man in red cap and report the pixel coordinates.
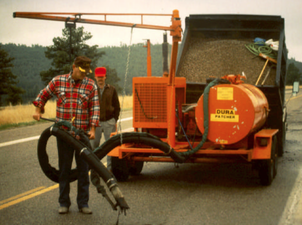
(77, 102)
(109, 110)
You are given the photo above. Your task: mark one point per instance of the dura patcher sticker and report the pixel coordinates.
(224, 115)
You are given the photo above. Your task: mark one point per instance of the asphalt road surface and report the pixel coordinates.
(165, 193)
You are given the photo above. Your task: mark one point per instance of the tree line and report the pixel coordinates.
(294, 71)
(32, 67)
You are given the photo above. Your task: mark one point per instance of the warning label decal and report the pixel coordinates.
(224, 93)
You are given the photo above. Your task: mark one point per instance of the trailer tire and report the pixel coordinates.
(120, 168)
(137, 168)
(268, 167)
(282, 133)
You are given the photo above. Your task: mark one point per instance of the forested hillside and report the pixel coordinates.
(297, 64)
(30, 61)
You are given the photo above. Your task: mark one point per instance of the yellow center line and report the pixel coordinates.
(21, 195)
(26, 195)
(294, 97)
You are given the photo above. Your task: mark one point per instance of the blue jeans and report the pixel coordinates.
(106, 127)
(66, 153)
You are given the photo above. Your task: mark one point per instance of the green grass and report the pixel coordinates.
(15, 125)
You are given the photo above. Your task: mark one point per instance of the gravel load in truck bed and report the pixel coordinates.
(206, 58)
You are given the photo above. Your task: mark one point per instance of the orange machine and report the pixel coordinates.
(232, 121)
(233, 131)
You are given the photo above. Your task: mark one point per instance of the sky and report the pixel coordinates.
(32, 31)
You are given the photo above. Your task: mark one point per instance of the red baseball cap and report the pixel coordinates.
(100, 72)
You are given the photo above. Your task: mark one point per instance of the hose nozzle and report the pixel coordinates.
(119, 198)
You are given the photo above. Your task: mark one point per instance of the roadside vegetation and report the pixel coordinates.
(21, 115)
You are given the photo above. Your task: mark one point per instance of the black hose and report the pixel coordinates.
(51, 172)
(83, 148)
(138, 138)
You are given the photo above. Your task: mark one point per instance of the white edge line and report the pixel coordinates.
(37, 137)
(288, 216)
(125, 119)
(19, 141)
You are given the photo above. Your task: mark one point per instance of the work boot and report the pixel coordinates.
(63, 210)
(85, 210)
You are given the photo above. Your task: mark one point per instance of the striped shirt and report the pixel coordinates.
(77, 100)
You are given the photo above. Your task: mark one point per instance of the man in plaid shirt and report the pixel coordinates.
(77, 101)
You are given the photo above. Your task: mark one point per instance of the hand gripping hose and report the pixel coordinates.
(83, 148)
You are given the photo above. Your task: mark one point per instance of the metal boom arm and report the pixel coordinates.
(175, 28)
(77, 17)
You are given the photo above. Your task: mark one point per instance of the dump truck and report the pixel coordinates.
(241, 117)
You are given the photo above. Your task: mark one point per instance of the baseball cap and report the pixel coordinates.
(83, 63)
(100, 72)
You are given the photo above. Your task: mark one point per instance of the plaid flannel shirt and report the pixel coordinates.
(77, 100)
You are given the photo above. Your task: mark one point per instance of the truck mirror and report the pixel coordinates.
(295, 87)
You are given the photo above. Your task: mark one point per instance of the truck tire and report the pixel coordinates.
(282, 140)
(268, 167)
(275, 145)
(120, 168)
(282, 134)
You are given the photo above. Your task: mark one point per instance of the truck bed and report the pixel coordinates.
(215, 46)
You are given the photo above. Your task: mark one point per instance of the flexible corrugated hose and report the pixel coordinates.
(260, 47)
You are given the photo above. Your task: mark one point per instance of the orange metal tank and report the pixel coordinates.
(234, 112)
